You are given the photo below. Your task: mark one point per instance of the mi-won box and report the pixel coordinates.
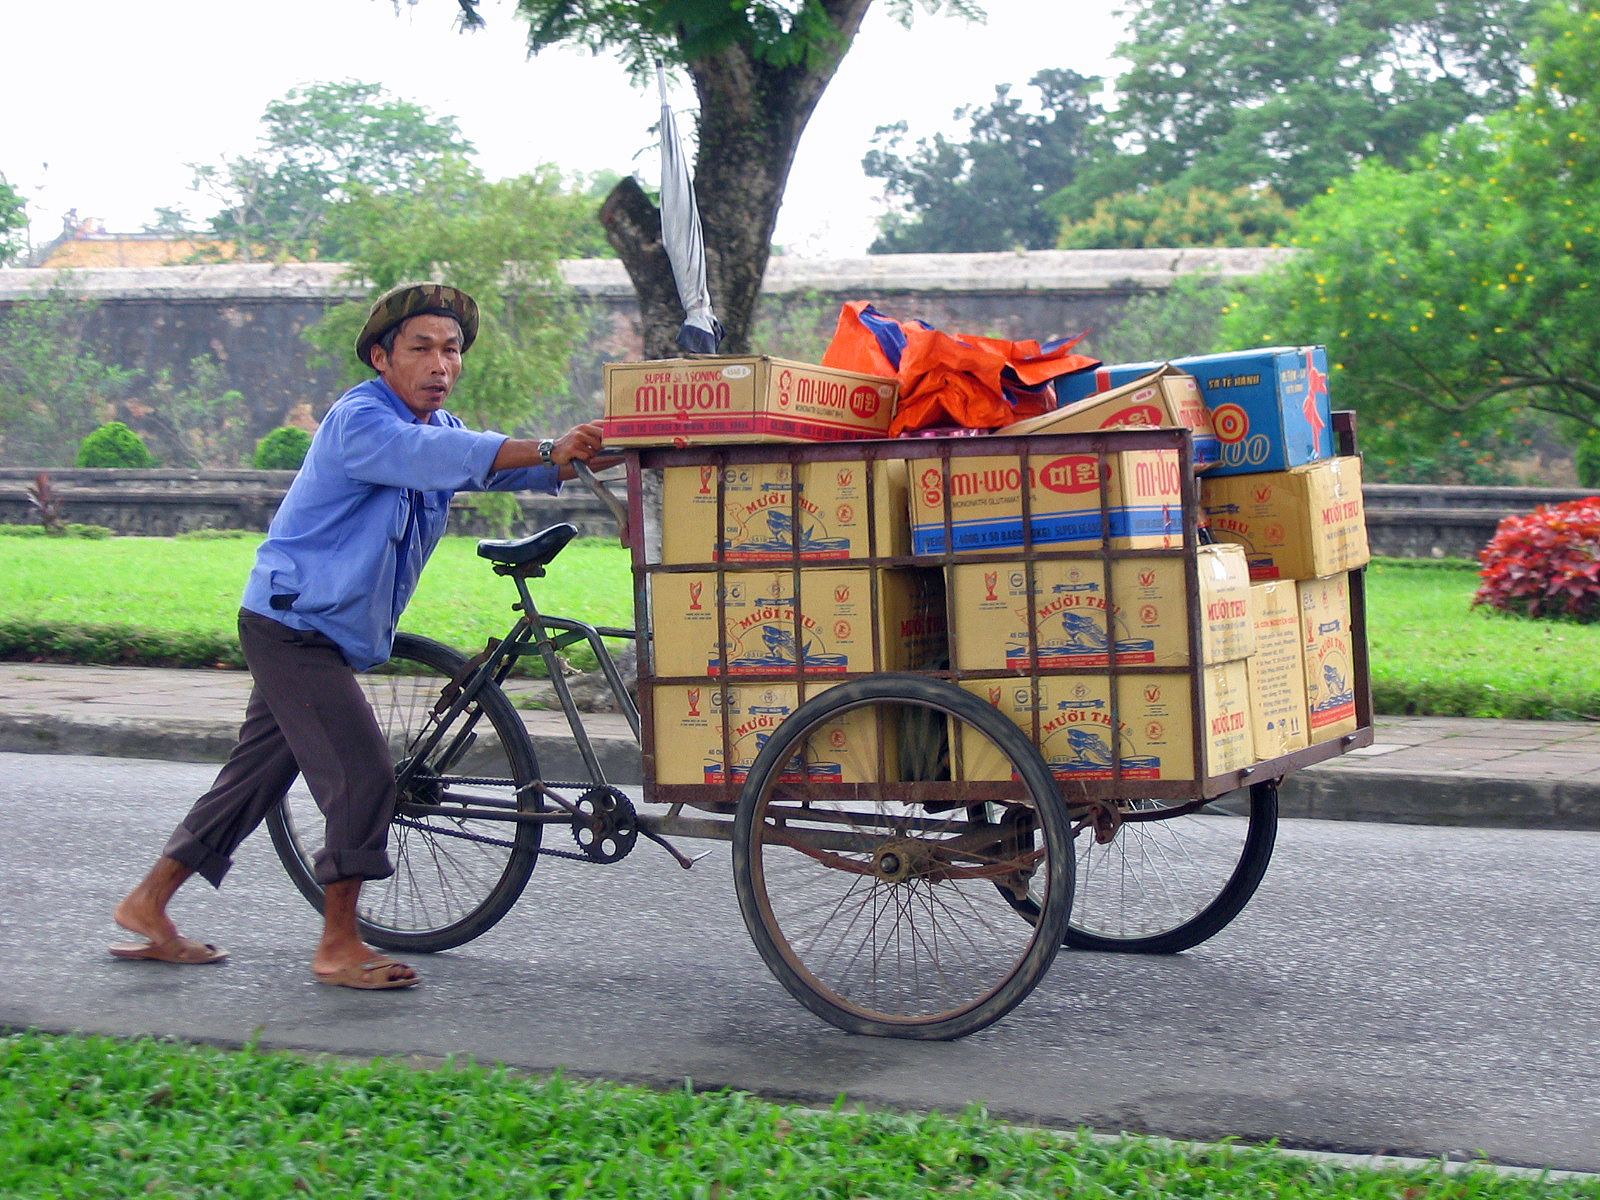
(718, 400)
(1164, 399)
(1143, 497)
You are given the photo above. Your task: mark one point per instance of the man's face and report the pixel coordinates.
(425, 362)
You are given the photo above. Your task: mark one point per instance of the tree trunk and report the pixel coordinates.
(752, 115)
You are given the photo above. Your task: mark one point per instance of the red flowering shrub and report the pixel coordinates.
(1545, 564)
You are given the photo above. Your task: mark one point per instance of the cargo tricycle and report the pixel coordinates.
(923, 806)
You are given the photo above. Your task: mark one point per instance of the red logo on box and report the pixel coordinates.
(1072, 474)
(864, 402)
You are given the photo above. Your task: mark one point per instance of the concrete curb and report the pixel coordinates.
(1342, 792)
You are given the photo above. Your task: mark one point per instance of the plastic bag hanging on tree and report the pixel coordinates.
(951, 378)
(701, 332)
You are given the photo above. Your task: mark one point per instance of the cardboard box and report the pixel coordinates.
(1155, 738)
(756, 521)
(709, 401)
(689, 745)
(830, 625)
(1329, 648)
(1143, 497)
(1296, 524)
(1277, 672)
(1166, 399)
(991, 603)
(1270, 407)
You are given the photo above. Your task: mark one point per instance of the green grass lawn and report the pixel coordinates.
(1432, 653)
(96, 1117)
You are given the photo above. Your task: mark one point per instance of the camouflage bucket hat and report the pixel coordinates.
(409, 299)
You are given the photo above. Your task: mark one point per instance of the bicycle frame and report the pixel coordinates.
(531, 633)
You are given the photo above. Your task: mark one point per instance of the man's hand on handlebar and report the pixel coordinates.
(582, 442)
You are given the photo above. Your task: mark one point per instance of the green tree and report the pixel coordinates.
(497, 241)
(318, 144)
(201, 421)
(758, 68)
(1460, 290)
(1173, 322)
(53, 389)
(991, 190)
(1175, 214)
(13, 223)
(1293, 94)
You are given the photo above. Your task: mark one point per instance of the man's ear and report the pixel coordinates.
(379, 358)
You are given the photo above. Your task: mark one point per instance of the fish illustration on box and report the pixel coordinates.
(1089, 749)
(1089, 754)
(781, 652)
(774, 537)
(1081, 637)
(812, 541)
(799, 770)
(1338, 684)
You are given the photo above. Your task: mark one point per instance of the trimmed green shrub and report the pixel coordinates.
(215, 535)
(1545, 564)
(284, 449)
(114, 445)
(115, 645)
(93, 532)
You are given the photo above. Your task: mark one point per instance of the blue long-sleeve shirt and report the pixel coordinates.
(369, 505)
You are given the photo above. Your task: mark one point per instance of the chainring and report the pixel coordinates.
(604, 824)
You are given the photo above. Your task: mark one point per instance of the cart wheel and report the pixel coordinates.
(871, 890)
(1162, 884)
(454, 877)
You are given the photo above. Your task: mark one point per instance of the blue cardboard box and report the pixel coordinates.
(1270, 407)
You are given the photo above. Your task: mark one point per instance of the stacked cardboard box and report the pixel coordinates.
(763, 611)
(1043, 616)
(1270, 408)
(769, 584)
(714, 401)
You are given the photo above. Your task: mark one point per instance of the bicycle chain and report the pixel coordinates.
(485, 840)
(613, 818)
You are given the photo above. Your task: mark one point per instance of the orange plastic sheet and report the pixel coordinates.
(951, 378)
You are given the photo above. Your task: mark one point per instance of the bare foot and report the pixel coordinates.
(140, 913)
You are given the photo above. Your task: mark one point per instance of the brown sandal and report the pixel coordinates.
(360, 977)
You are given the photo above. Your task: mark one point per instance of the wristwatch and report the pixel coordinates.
(545, 446)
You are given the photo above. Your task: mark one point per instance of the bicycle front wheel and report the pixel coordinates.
(456, 875)
(869, 880)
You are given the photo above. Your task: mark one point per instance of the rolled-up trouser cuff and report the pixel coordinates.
(330, 866)
(197, 856)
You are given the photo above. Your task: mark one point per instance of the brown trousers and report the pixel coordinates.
(307, 716)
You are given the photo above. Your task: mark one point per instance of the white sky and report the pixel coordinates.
(118, 97)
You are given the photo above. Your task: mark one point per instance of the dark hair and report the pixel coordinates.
(389, 334)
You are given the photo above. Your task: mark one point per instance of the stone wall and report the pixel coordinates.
(1403, 521)
(163, 503)
(252, 317)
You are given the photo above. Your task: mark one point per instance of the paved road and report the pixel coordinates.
(1394, 989)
